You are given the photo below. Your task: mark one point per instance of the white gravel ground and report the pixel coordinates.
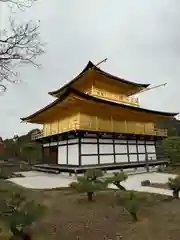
(38, 180)
(134, 182)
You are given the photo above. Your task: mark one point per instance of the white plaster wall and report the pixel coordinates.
(101, 140)
(132, 141)
(89, 160)
(142, 157)
(133, 158)
(53, 144)
(89, 140)
(62, 142)
(120, 148)
(151, 156)
(120, 141)
(46, 145)
(73, 154)
(106, 159)
(149, 142)
(132, 149)
(89, 148)
(151, 151)
(141, 149)
(106, 148)
(121, 158)
(75, 140)
(151, 148)
(62, 155)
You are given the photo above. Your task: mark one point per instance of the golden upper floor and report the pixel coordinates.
(96, 82)
(79, 111)
(85, 122)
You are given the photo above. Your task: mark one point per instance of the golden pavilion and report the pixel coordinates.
(95, 121)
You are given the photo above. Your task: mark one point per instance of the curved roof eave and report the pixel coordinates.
(90, 65)
(88, 97)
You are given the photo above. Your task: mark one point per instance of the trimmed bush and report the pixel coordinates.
(174, 185)
(89, 183)
(131, 201)
(160, 169)
(116, 179)
(18, 213)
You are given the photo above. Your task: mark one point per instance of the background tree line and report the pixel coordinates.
(23, 148)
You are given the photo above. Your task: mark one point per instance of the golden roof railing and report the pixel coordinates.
(133, 101)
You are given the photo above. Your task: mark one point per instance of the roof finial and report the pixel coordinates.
(157, 86)
(104, 60)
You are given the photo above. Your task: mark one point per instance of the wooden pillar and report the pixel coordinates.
(114, 151)
(147, 163)
(79, 147)
(98, 150)
(137, 150)
(127, 143)
(42, 152)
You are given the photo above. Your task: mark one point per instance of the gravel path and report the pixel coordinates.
(38, 180)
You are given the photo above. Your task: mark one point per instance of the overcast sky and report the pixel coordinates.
(140, 38)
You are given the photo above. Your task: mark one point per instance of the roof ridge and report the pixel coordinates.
(91, 65)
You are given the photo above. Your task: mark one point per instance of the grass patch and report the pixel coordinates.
(71, 215)
(159, 185)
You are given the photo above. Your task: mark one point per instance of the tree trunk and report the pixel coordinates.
(19, 234)
(119, 186)
(90, 196)
(134, 216)
(176, 194)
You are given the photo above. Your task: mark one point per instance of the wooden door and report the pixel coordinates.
(54, 155)
(46, 155)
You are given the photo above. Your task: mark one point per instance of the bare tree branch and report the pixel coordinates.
(21, 4)
(21, 44)
(2, 88)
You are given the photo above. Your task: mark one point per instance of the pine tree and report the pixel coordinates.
(116, 179)
(131, 201)
(174, 185)
(18, 214)
(89, 183)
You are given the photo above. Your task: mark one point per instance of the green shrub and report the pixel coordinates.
(160, 169)
(116, 179)
(3, 176)
(131, 201)
(174, 185)
(93, 174)
(18, 213)
(145, 183)
(89, 183)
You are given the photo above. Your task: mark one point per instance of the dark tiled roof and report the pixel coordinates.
(90, 65)
(98, 100)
